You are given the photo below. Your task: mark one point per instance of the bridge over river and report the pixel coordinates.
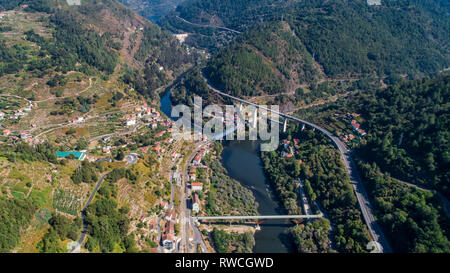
(256, 217)
(355, 180)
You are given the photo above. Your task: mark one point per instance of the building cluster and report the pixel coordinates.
(146, 113)
(289, 149)
(157, 147)
(356, 126)
(196, 163)
(168, 237)
(17, 113)
(152, 223)
(24, 136)
(195, 186)
(199, 156)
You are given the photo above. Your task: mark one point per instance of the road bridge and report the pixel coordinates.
(255, 217)
(355, 180)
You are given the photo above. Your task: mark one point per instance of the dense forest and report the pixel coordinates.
(34, 5)
(312, 237)
(325, 179)
(407, 128)
(107, 226)
(355, 38)
(226, 195)
(192, 84)
(15, 216)
(232, 242)
(409, 216)
(152, 9)
(161, 53)
(266, 59)
(73, 43)
(234, 14)
(86, 172)
(408, 125)
(60, 229)
(202, 17)
(407, 139)
(346, 38)
(25, 152)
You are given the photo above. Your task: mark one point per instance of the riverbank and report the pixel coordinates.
(242, 160)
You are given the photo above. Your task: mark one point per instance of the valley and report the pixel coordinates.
(92, 160)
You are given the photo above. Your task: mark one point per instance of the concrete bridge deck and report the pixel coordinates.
(256, 217)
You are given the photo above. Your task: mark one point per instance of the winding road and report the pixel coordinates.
(131, 159)
(355, 180)
(445, 202)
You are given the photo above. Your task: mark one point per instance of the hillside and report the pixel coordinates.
(406, 125)
(347, 38)
(255, 64)
(68, 51)
(153, 10)
(406, 139)
(70, 77)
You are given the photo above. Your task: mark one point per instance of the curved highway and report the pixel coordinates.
(355, 180)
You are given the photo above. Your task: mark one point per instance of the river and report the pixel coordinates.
(242, 161)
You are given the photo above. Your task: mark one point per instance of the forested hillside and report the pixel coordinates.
(152, 9)
(89, 64)
(348, 38)
(318, 164)
(268, 59)
(409, 137)
(409, 216)
(407, 129)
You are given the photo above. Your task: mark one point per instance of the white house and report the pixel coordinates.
(78, 119)
(195, 203)
(130, 122)
(197, 186)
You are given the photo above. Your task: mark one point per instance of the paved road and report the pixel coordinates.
(131, 159)
(350, 167)
(198, 239)
(445, 202)
(185, 211)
